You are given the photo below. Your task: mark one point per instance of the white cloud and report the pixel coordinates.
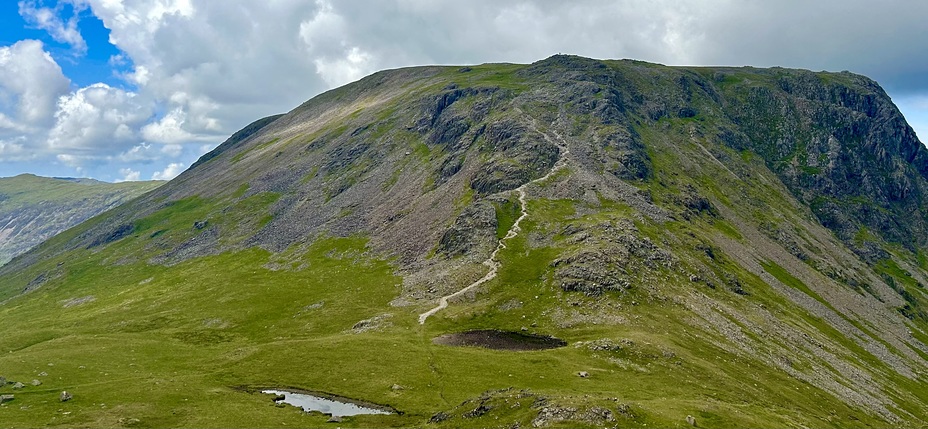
(97, 119)
(339, 71)
(75, 161)
(325, 29)
(172, 150)
(129, 175)
(30, 83)
(49, 19)
(142, 152)
(14, 150)
(169, 172)
(170, 129)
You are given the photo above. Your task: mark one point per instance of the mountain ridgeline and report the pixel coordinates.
(33, 209)
(716, 246)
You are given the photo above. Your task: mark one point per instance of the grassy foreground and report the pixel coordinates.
(188, 346)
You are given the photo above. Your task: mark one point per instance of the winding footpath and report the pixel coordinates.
(514, 230)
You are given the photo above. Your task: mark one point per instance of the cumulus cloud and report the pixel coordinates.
(129, 175)
(169, 172)
(14, 149)
(338, 71)
(97, 117)
(169, 129)
(30, 83)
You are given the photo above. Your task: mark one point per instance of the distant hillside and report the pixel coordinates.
(34, 208)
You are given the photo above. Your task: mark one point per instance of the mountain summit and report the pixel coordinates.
(571, 242)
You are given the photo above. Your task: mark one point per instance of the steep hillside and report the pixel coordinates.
(33, 208)
(730, 247)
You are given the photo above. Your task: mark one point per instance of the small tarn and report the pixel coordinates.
(500, 340)
(332, 405)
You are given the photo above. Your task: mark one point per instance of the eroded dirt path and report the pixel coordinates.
(515, 229)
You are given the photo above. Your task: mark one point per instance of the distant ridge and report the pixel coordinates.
(35, 208)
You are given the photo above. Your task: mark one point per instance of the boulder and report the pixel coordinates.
(583, 374)
(691, 420)
(335, 419)
(36, 383)
(65, 396)
(5, 398)
(439, 417)
(18, 385)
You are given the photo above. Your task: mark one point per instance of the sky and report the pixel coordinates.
(139, 89)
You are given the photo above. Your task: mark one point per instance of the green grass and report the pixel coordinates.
(27, 189)
(506, 214)
(187, 345)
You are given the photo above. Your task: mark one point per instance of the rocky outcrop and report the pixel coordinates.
(34, 209)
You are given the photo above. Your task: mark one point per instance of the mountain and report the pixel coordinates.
(613, 243)
(34, 208)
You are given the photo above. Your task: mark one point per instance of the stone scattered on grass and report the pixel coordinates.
(36, 383)
(65, 396)
(335, 419)
(74, 302)
(18, 385)
(439, 417)
(691, 420)
(43, 374)
(2, 381)
(583, 374)
(5, 398)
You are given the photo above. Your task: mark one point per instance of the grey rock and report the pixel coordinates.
(65, 396)
(583, 374)
(474, 230)
(335, 419)
(36, 383)
(691, 420)
(481, 409)
(439, 417)
(5, 398)
(18, 385)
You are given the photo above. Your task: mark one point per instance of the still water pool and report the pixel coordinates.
(323, 405)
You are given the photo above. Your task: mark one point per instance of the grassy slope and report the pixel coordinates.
(175, 346)
(186, 345)
(27, 189)
(57, 204)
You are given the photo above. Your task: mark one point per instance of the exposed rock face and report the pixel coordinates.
(34, 209)
(843, 149)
